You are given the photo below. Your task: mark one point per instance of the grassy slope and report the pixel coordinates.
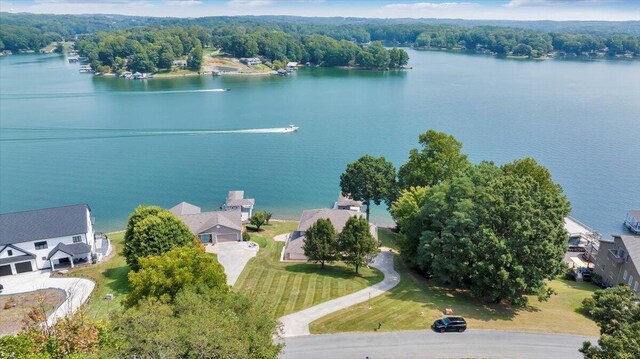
(110, 276)
(289, 287)
(415, 304)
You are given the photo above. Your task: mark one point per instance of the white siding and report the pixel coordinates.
(41, 254)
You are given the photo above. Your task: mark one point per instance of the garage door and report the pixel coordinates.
(226, 237)
(5, 270)
(23, 267)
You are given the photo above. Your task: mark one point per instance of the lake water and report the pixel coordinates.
(67, 137)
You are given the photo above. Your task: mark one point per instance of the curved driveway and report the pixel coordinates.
(297, 324)
(77, 290)
(428, 344)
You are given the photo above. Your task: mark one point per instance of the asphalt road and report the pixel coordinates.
(428, 344)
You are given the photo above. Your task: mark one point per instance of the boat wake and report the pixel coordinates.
(91, 94)
(78, 134)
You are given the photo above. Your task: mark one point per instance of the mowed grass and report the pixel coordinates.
(415, 304)
(110, 276)
(289, 287)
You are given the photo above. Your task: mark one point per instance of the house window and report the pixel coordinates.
(9, 252)
(624, 276)
(41, 245)
(77, 239)
(630, 281)
(635, 287)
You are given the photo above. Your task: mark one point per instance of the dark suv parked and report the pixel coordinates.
(450, 324)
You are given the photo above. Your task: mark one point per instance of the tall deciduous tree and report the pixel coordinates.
(369, 179)
(439, 159)
(258, 220)
(152, 230)
(520, 241)
(321, 242)
(162, 277)
(194, 62)
(356, 244)
(197, 324)
(618, 316)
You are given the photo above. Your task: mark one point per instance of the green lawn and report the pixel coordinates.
(415, 304)
(289, 287)
(110, 276)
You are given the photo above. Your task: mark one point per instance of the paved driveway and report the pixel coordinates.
(297, 323)
(77, 289)
(233, 256)
(428, 344)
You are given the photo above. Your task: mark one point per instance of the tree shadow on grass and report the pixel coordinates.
(337, 272)
(117, 279)
(415, 287)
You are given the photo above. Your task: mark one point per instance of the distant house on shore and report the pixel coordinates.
(236, 202)
(53, 238)
(618, 261)
(633, 221)
(210, 227)
(291, 66)
(250, 61)
(294, 247)
(347, 203)
(179, 64)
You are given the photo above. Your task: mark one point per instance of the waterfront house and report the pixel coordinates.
(347, 203)
(236, 202)
(46, 238)
(179, 64)
(618, 261)
(250, 61)
(338, 217)
(292, 66)
(210, 227)
(633, 221)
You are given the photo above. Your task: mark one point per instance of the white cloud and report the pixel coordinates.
(249, 3)
(184, 2)
(534, 3)
(430, 5)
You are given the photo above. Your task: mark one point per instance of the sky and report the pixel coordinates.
(609, 10)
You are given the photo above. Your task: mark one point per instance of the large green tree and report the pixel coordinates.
(162, 277)
(321, 242)
(194, 62)
(197, 324)
(520, 240)
(356, 244)
(152, 230)
(617, 313)
(612, 308)
(439, 159)
(370, 180)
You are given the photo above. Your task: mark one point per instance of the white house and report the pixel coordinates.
(250, 61)
(210, 227)
(236, 202)
(292, 66)
(46, 238)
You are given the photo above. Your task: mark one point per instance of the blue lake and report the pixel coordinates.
(67, 137)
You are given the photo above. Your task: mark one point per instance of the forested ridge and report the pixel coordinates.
(322, 41)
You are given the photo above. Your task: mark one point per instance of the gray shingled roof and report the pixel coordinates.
(18, 227)
(183, 208)
(338, 217)
(236, 198)
(632, 243)
(16, 259)
(73, 249)
(201, 221)
(346, 201)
